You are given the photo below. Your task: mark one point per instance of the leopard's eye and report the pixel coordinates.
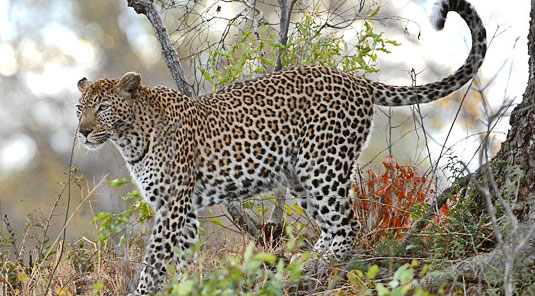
(103, 107)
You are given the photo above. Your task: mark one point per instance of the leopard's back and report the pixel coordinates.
(281, 130)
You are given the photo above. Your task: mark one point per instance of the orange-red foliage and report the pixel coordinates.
(383, 201)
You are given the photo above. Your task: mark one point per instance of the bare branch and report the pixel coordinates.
(146, 7)
(276, 214)
(286, 13)
(242, 219)
(493, 262)
(256, 23)
(13, 241)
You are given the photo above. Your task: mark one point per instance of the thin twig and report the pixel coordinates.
(70, 176)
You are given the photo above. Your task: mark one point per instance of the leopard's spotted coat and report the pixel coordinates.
(303, 129)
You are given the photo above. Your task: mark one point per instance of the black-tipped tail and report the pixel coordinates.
(402, 95)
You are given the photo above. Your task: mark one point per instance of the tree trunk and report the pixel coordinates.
(517, 150)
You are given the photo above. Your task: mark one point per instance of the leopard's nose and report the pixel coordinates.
(85, 132)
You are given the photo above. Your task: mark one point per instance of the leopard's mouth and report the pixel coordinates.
(92, 143)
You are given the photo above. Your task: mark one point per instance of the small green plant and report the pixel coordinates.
(250, 273)
(404, 281)
(308, 45)
(112, 224)
(468, 229)
(243, 60)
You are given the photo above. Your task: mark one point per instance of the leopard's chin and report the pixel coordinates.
(93, 144)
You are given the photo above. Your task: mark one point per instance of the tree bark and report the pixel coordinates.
(517, 150)
(146, 7)
(286, 14)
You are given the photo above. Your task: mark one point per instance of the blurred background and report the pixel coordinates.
(47, 46)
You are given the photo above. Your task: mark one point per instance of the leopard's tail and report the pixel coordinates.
(387, 95)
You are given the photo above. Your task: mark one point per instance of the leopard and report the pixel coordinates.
(302, 129)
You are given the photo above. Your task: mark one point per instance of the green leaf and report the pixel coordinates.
(372, 272)
(118, 182)
(216, 221)
(381, 289)
(223, 53)
(425, 269)
(97, 287)
(253, 265)
(298, 209)
(404, 274)
(103, 216)
(397, 292)
(406, 288)
(22, 277)
(266, 257)
(248, 205)
(207, 75)
(186, 287)
(248, 252)
(268, 61)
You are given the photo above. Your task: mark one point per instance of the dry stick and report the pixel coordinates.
(66, 214)
(442, 153)
(256, 23)
(84, 199)
(47, 225)
(456, 187)
(146, 7)
(238, 214)
(494, 259)
(4, 286)
(508, 248)
(507, 245)
(275, 221)
(274, 228)
(414, 75)
(13, 241)
(277, 213)
(437, 204)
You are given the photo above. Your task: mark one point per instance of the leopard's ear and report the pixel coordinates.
(83, 84)
(129, 84)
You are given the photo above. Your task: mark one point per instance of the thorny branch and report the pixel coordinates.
(18, 254)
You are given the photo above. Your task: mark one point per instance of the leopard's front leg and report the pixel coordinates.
(175, 225)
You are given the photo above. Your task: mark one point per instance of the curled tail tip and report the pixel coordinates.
(438, 14)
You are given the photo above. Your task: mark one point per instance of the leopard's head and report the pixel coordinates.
(104, 110)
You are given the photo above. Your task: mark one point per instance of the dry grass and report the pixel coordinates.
(28, 267)
(93, 267)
